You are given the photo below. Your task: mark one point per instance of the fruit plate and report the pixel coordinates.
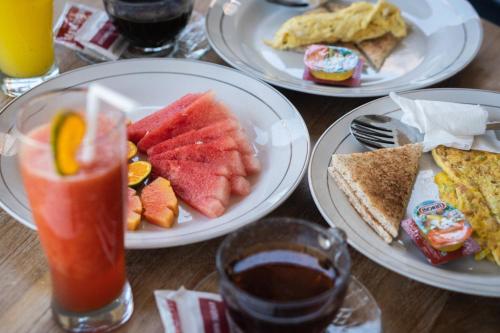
(444, 37)
(274, 126)
(464, 275)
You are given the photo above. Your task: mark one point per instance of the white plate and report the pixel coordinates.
(403, 257)
(444, 37)
(273, 124)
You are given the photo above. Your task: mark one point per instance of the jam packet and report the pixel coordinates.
(433, 255)
(185, 311)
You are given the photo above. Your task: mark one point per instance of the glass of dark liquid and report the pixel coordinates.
(283, 275)
(150, 25)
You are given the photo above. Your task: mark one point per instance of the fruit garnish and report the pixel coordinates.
(131, 150)
(134, 211)
(67, 132)
(160, 203)
(138, 172)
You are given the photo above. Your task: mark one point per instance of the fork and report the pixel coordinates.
(378, 131)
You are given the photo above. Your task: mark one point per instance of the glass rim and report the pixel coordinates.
(342, 279)
(25, 138)
(141, 4)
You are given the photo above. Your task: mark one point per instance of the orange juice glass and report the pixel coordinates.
(80, 218)
(26, 44)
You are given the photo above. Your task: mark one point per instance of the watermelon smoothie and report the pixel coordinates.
(80, 221)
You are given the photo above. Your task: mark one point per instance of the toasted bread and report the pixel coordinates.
(360, 208)
(382, 182)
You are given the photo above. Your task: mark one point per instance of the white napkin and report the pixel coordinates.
(456, 125)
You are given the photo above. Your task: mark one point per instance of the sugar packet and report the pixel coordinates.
(100, 36)
(90, 31)
(185, 311)
(72, 18)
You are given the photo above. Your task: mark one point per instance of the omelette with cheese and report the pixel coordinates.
(356, 23)
(470, 181)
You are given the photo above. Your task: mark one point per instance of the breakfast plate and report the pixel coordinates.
(464, 275)
(274, 126)
(443, 38)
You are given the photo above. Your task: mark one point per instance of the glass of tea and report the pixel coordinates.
(283, 275)
(150, 25)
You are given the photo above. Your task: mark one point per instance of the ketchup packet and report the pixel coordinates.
(72, 18)
(99, 35)
(354, 81)
(434, 256)
(184, 311)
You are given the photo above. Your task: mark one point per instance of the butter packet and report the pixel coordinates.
(185, 311)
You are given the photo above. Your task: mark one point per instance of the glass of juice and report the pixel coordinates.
(283, 275)
(26, 45)
(150, 25)
(79, 216)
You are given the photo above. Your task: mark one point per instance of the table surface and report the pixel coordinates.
(407, 305)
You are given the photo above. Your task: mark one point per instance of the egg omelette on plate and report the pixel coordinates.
(470, 181)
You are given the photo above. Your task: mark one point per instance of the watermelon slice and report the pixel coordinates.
(205, 134)
(202, 112)
(240, 185)
(139, 129)
(252, 163)
(221, 152)
(205, 191)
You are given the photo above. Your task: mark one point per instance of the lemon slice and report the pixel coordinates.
(67, 132)
(138, 172)
(132, 150)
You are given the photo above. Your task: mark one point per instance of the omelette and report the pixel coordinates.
(358, 22)
(470, 181)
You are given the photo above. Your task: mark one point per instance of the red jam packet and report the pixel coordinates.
(354, 81)
(185, 311)
(434, 256)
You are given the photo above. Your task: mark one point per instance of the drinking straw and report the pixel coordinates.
(98, 93)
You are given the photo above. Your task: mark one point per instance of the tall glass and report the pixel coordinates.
(79, 217)
(26, 44)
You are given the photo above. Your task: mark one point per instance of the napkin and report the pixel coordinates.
(456, 125)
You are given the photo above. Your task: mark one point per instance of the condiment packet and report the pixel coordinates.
(456, 125)
(99, 35)
(434, 256)
(72, 18)
(185, 311)
(90, 31)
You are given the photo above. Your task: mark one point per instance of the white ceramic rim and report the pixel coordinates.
(213, 26)
(482, 286)
(135, 241)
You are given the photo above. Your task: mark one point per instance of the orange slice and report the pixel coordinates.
(138, 172)
(132, 150)
(67, 132)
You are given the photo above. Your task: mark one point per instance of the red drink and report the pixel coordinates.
(80, 220)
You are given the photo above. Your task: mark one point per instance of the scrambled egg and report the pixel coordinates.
(470, 182)
(358, 22)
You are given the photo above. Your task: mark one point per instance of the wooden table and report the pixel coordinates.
(407, 306)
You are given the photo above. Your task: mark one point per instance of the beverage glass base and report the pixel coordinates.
(103, 320)
(359, 313)
(14, 86)
(145, 52)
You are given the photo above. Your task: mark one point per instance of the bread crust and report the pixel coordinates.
(382, 181)
(360, 208)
